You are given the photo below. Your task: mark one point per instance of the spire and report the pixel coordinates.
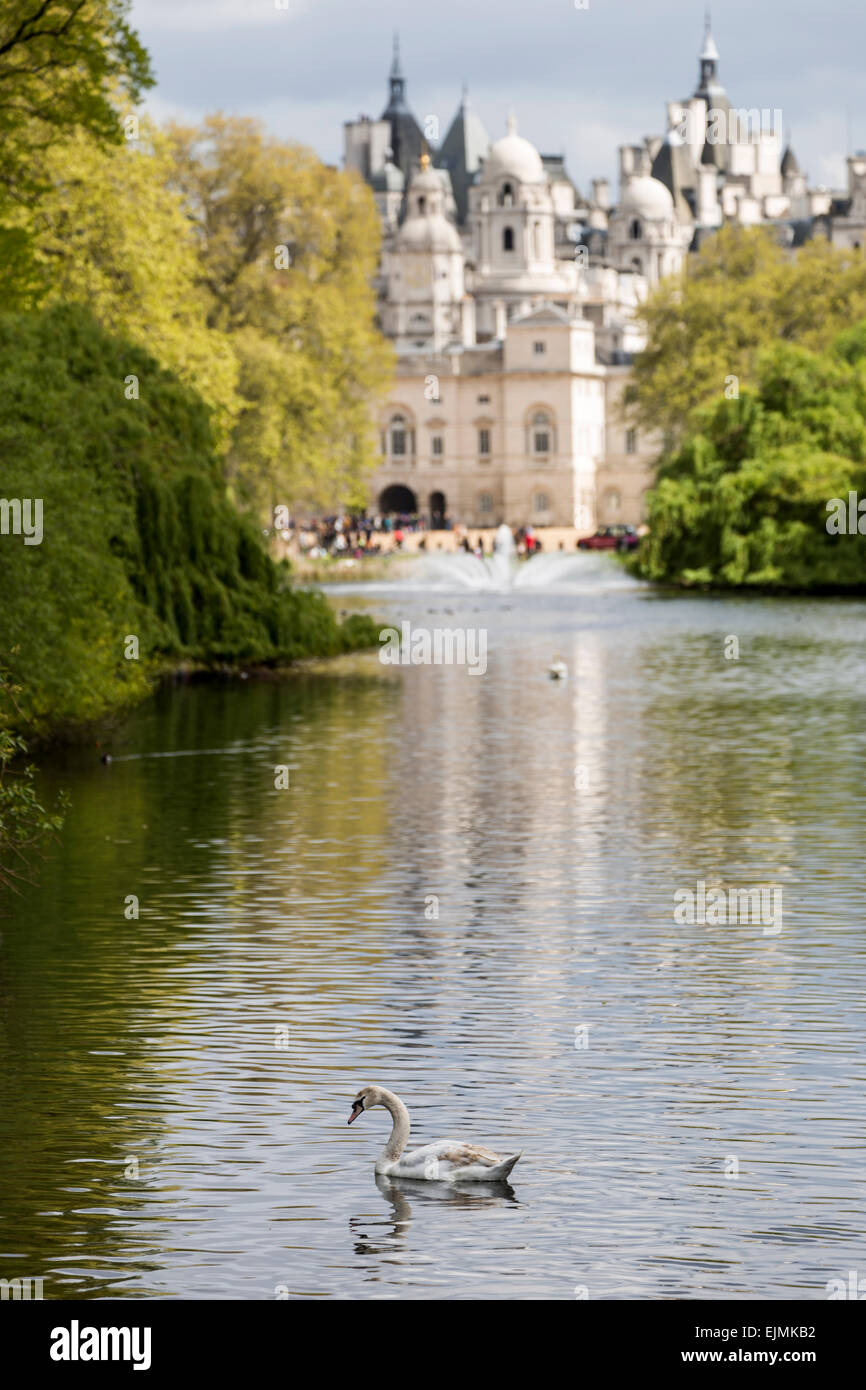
(709, 85)
(396, 70)
(406, 137)
(396, 81)
(709, 51)
(511, 123)
(462, 152)
(790, 164)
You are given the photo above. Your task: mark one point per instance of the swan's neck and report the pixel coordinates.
(399, 1137)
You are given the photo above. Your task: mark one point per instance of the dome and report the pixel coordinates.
(515, 156)
(646, 197)
(431, 233)
(426, 181)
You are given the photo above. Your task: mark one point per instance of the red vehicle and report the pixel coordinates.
(611, 538)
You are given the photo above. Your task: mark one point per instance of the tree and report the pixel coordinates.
(741, 292)
(139, 558)
(288, 249)
(109, 232)
(64, 65)
(744, 500)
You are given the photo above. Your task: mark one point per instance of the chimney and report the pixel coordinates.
(601, 194)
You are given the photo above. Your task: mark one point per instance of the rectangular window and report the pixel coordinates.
(542, 442)
(398, 441)
(437, 444)
(484, 441)
(631, 441)
(539, 348)
(483, 400)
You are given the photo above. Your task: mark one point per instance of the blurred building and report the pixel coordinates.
(512, 299)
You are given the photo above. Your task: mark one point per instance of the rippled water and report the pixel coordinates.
(175, 1088)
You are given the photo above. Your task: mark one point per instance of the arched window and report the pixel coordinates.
(508, 239)
(400, 436)
(536, 240)
(541, 433)
(506, 196)
(422, 203)
(635, 230)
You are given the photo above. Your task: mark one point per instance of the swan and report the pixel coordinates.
(557, 669)
(446, 1160)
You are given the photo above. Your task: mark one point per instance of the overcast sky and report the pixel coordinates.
(581, 81)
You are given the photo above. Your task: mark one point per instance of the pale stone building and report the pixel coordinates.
(512, 300)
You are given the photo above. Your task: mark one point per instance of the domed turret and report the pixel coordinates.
(514, 157)
(424, 268)
(646, 197)
(426, 227)
(649, 234)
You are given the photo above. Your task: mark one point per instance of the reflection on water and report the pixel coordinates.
(466, 894)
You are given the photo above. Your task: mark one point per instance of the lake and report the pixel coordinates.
(467, 892)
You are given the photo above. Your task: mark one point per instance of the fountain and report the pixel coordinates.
(503, 573)
(504, 561)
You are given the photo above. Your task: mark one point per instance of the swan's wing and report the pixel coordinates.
(444, 1158)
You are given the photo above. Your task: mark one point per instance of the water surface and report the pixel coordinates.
(175, 1088)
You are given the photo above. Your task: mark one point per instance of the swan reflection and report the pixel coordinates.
(386, 1235)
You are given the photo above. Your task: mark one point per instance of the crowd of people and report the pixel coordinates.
(352, 535)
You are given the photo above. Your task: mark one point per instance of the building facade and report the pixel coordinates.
(512, 300)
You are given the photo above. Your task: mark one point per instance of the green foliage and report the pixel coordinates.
(65, 65)
(139, 537)
(24, 821)
(287, 250)
(743, 501)
(110, 233)
(742, 292)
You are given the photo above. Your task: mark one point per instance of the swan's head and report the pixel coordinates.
(367, 1097)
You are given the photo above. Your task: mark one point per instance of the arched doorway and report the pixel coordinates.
(398, 498)
(437, 511)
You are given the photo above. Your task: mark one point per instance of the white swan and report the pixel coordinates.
(447, 1160)
(557, 670)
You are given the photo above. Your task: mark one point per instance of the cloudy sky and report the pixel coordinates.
(581, 81)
